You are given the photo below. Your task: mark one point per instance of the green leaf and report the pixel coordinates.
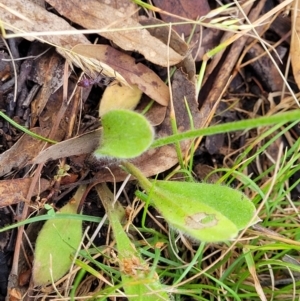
(207, 212)
(56, 242)
(126, 134)
(50, 210)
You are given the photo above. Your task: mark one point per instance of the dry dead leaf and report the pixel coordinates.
(21, 152)
(147, 80)
(156, 114)
(203, 39)
(83, 144)
(14, 295)
(14, 191)
(201, 42)
(125, 6)
(175, 41)
(164, 34)
(189, 9)
(38, 19)
(295, 42)
(96, 15)
(119, 97)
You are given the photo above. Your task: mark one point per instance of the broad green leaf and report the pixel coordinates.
(56, 242)
(126, 134)
(136, 279)
(230, 202)
(208, 212)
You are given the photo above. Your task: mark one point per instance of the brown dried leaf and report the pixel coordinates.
(21, 152)
(14, 295)
(163, 34)
(37, 19)
(96, 15)
(156, 114)
(202, 41)
(125, 6)
(14, 191)
(189, 9)
(175, 42)
(139, 74)
(295, 42)
(83, 144)
(119, 97)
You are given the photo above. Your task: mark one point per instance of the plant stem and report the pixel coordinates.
(130, 168)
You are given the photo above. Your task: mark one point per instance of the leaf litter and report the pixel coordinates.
(154, 47)
(96, 15)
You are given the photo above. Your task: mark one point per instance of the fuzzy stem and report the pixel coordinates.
(130, 168)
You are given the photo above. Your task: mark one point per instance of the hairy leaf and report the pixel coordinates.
(126, 134)
(57, 241)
